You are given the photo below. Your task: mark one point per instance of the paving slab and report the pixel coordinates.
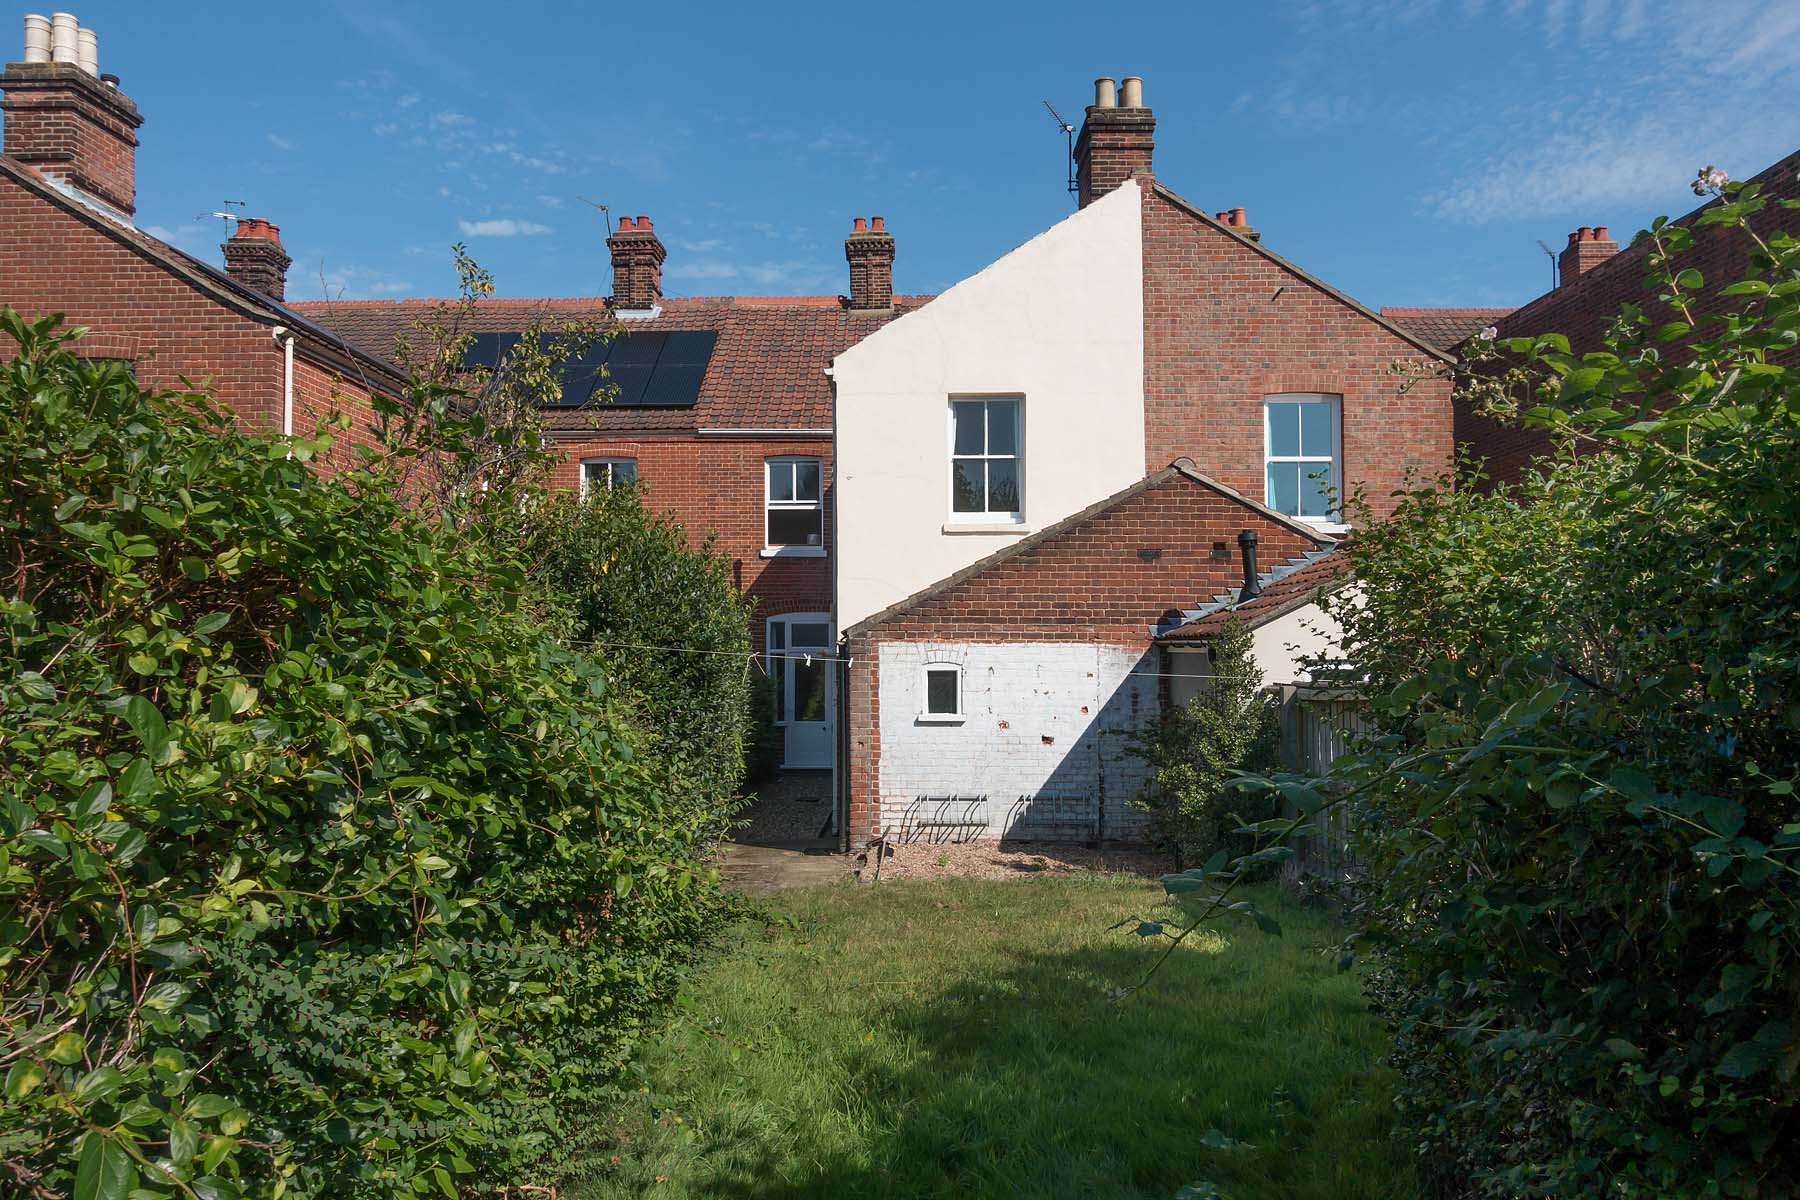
(764, 869)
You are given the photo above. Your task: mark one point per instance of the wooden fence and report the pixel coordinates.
(1314, 725)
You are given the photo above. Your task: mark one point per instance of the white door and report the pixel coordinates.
(805, 702)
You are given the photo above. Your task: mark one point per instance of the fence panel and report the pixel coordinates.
(1314, 725)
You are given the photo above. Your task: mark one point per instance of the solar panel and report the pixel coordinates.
(646, 369)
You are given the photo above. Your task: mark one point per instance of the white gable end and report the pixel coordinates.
(1057, 324)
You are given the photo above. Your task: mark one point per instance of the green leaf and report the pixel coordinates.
(1690, 280)
(148, 724)
(1622, 1049)
(67, 1049)
(22, 1078)
(105, 1171)
(206, 1107)
(34, 685)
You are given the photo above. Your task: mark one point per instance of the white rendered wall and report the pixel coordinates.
(1284, 645)
(1059, 322)
(1045, 721)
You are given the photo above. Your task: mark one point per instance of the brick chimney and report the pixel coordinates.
(1238, 222)
(1587, 249)
(637, 259)
(1115, 140)
(254, 257)
(68, 120)
(870, 252)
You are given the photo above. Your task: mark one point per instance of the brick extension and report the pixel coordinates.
(1082, 580)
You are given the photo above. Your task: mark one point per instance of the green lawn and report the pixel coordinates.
(961, 1038)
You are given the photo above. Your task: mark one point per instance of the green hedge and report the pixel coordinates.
(324, 869)
(1582, 844)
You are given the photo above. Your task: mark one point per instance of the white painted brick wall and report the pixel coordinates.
(1044, 721)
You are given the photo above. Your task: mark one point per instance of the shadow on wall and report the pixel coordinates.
(1085, 794)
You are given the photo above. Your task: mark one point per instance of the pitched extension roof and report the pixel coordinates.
(1181, 468)
(1284, 588)
(767, 370)
(1445, 328)
(311, 339)
(1348, 301)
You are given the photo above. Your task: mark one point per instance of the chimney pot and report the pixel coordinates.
(254, 257)
(1115, 142)
(1131, 92)
(637, 259)
(1588, 247)
(858, 225)
(1238, 217)
(70, 125)
(37, 38)
(870, 252)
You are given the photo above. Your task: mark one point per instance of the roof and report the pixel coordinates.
(1180, 468)
(310, 338)
(1584, 309)
(1348, 301)
(767, 370)
(1283, 589)
(1445, 328)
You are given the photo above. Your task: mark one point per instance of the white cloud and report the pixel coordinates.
(503, 227)
(549, 201)
(703, 246)
(450, 120)
(281, 143)
(408, 100)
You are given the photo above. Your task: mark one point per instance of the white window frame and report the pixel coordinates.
(928, 717)
(1016, 517)
(770, 550)
(1333, 522)
(611, 462)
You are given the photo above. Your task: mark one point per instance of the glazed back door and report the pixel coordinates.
(799, 651)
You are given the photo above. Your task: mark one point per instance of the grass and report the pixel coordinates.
(962, 1038)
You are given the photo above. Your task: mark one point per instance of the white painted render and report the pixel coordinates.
(1281, 649)
(1043, 738)
(1057, 322)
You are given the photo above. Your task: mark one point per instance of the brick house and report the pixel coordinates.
(735, 440)
(1595, 281)
(1043, 476)
(68, 245)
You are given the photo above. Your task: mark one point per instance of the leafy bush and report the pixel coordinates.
(1582, 848)
(629, 584)
(1197, 749)
(324, 869)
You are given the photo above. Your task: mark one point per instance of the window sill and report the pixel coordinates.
(1328, 528)
(1001, 528)
(940, 719)
(793, 552)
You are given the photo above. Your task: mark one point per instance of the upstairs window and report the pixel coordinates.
(793, 504)
(1301, 460)
(607, 473)
(986, 460)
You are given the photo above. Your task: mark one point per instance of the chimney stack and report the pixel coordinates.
(637, 259)
(1116, 139)
(870, 251)
(66, 119)
(254, 257)
(1587, 249)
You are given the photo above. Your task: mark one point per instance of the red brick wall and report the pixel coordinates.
(320, 392)
(1217, 340)
(715, 485)
(51, 261)
(1583, 310)
(1086, 584)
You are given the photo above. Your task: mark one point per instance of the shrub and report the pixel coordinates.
(1196, 750)
(629, 585)
(1581, 853)
(324, 869)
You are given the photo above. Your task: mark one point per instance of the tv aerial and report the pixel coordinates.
(225, 214)
(1069, 135)
(605, 212)
(1551, 255)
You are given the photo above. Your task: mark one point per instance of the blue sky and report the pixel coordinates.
(1407, 151)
